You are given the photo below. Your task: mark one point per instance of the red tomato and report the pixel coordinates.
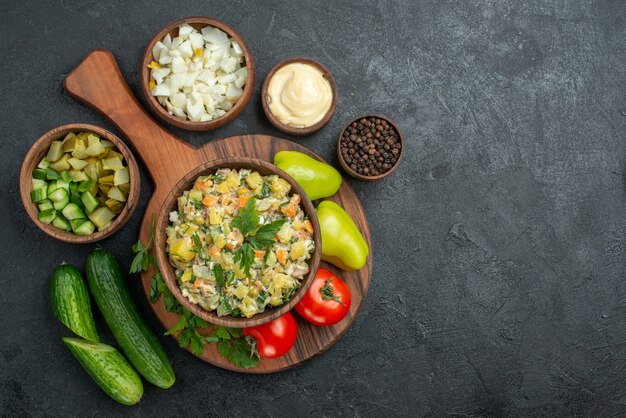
(327, 301)
(276, 337)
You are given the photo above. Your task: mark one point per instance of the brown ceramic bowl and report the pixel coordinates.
(40, 149)
(197, 22)
(293, 130)
(168, 271)
(360, 176)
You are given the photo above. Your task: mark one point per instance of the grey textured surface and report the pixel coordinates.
(498, 284)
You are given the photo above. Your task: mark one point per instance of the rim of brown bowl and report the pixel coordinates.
(197, 22)
(264, 168)
(353, 173)
(40, 149)
(293, 130)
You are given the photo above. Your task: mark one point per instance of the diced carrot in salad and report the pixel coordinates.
(209, 200)
(214, 252)
(241, 202)
(202, 184)
(281, 256)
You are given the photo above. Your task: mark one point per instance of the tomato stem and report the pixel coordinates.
(328, 292)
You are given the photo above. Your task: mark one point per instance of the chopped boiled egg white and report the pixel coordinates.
(197, 75)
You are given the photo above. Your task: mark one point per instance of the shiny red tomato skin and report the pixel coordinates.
(325, 312)
(274, 338)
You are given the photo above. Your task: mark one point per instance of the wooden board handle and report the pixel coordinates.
(98, 83)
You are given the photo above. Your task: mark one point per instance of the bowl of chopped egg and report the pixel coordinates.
(197, 74)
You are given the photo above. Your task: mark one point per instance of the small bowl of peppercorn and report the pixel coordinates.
(370, 147)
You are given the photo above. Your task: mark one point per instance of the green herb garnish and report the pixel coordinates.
(197, 243)
(265, 191)
(143, 258)
(218, 272)
(189, 336)
(255, 237)
(264, 236)
(244, 256)
(237, 349)
(247, 220)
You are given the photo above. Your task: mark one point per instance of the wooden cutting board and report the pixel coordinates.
(98, 83)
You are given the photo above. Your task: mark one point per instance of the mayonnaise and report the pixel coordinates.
(299, 95)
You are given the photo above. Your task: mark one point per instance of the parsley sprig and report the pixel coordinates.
(232, 345)
(189, 336)
(218, 272)
(143, 257)
(237, 349)
(256, 237)
(197, 243)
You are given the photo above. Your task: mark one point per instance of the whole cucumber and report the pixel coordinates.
(108, 369)
(138, 342)
(70, 302)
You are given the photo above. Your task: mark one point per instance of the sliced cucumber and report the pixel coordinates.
(39, 174)
(62, 184)
(62, 203)
(38, 195)
(75, 195)
(38, 184)
(76, 223)
(72, 211)
(60, 198)
(47, 216)
(86, 228)
(83, 186)
(45, 205)
(58, 194)
(51, 174)
(68, 227)
(89, 201)
(60, 222)
(52, 186)
(66, 176)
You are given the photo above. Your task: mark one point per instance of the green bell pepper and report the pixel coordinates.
(342, 242)
(316, 178)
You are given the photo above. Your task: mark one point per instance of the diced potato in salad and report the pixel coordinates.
(206, 247)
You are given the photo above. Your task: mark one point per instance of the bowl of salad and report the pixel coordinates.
(238, 242)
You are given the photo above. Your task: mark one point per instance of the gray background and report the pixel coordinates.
(498, 284)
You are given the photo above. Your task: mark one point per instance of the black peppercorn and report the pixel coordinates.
(370, 146)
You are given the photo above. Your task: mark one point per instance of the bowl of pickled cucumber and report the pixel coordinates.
(79, 183)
